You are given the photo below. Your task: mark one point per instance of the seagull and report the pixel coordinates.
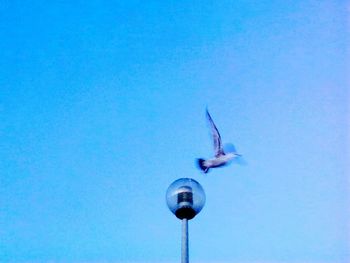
(220, 158)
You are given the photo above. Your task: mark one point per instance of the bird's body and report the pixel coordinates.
(220, 158)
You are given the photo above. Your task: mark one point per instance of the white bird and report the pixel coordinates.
(220, 158)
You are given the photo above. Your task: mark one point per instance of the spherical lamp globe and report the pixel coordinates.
(185, 197)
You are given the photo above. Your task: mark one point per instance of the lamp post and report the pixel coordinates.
(185, 198)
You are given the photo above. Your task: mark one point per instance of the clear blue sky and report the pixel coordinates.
(102, 106)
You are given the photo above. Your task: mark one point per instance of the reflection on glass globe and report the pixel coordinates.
(185, 198)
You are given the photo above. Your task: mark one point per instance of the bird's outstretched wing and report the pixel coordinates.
(216, 137)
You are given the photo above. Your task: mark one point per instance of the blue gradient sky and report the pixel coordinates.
(103, 105)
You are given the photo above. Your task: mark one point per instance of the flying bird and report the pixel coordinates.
(220, 158)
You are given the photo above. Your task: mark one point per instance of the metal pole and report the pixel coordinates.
(184, 241)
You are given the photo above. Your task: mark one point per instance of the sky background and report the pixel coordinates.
(102, 106)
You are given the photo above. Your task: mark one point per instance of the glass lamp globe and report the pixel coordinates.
(185, 197)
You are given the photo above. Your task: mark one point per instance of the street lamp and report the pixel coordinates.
(185, 197)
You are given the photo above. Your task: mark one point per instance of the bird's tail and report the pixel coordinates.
(202, 166)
